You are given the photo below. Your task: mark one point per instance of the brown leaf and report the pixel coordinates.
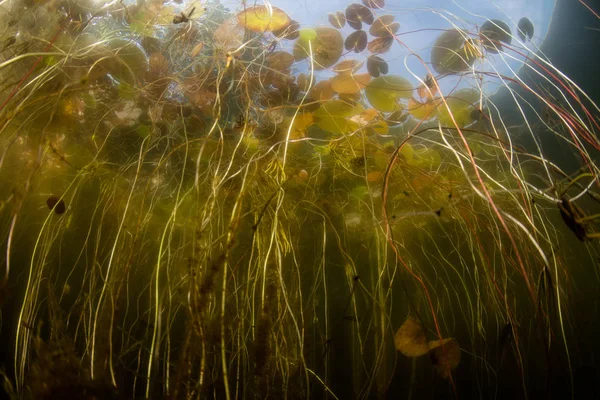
(410, 339)
(445, 355)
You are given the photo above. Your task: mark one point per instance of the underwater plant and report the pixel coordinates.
(205, 202)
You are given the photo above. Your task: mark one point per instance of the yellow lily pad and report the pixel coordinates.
(349, 84)
(263, 18)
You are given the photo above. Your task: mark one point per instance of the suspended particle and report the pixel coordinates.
(337, 19)
(56, 204)
(525, 29)
(377, 66)
(356, 41)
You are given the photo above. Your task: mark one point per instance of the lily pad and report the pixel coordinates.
(349, 84)
(374, 3)
(356, 41)
(327, 46)
(384, 26)
(384, 92)
(290, 32)
(381, 45)
(263, 18)
(347, 67)
(356, 14)
(377, 66)
(451, 53)
(337, 19)
(492, 32)
(461, 104)
(335, 116)
(525, 29)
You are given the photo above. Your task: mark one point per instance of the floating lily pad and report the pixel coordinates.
(396, 118)
(335, 116)
(347, 67)
(410, 339)
(263, 18)
(423, 110)
(492, 32)
(461, 104)
(450, 53)
(303, 82)
(356, 41)
(290, 32)
(280, 60)
(327, 46)
(384, 92)
(321, 91)
(525, 29)
(374, 3)
(349, 84)
(377, 66)
(356, 14)
(384, 26)
(381, 45)
(337, 19)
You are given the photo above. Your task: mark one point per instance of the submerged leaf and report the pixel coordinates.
(410, 339)
(445, 356)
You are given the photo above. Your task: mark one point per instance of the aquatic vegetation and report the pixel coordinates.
(203, 202)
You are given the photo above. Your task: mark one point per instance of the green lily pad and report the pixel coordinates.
(335, 116)
(384, 92)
